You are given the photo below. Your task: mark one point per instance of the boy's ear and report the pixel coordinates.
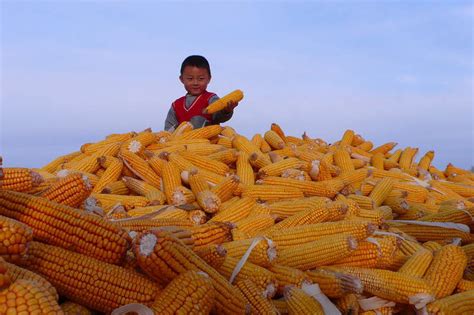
(181, 79)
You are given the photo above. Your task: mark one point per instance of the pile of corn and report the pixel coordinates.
(207, 220)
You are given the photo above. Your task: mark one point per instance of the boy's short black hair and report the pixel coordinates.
(196, 61)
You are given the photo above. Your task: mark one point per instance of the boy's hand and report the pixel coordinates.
(230, 106)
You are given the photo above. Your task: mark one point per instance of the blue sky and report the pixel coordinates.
(73, 72)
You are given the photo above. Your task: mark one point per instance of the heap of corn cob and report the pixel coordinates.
(208, 220)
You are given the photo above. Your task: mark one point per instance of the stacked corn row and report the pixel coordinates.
(274, 223)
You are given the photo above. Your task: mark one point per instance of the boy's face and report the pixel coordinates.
(195, 79)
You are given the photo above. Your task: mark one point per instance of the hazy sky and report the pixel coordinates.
(74, 72)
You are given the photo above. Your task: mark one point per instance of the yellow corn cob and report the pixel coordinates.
(257, 139)
(263, 254)
(183, 127)
(295, 236)
(234, 96)
(363, 202)
(258, 160)
(381, 190)
(280, 305)
(214, 255)
(236, 211)
(425, 233)
(116, 188)
(347, 137)
(71, 190)
(271, 192)
(208, 201)
(265, 147)
(141, 168)
(241, 143)
(327, 188)
(409, 248)
(406, 158)
(191, 292)
(277, 129)
(5, 280)
(139, 187)
(432, 246)
(334, 284)
(206, 163)
(461, 303)
(225, 188)
(139, 225)
(182, 195)
(90, 235)
(228, 131)
(225, 142)
(255, 223)
(446, 270)
(287, 208)
(52, 166)
(171, 179)
(343, 160)
(197, 217)
(254, 296)
(398, 205)
(262, 277)
(226, 156)
(19, 179)
(71, 308)
(210, 233)
(299, 302)
(244, 169)
(455, 216)
(88, 281)
(332, 211)
(27, 297)
(107, 201)
(295, 174)
(139, 142)
(14, 239)
(274, 140)
(276, 169)
(288, 276)
(464, 285)
(376, 173)
(196, 181)
(204, 132)
(87, 164)
(384, 148)
(113, 169)
(323, 251)
(15, 272)
(203, 149)
(417, 264)
(377, 161)
(389, 285)
(163, 258)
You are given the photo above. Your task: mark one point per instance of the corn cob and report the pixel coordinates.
(254, 296)
(71, 190)
(288, 276)
(464, 285)
(263, 254)
(52, 166)
(206, 163)
(27, 297)
(108, 201)
(90, 234)
(116, 188)
(171, 179)
(213, 255)
(274, 140)
(139, 187)
(294, 236)
(276, 169)
(417, 264)
(140, 167)
(225, 188)
(71, 308)
(327, 188)
(139, 142)
(19, 179)
(265, 280)
(234, 212)
(163, 258)
(241, 143)
(287, 208)
(299, 302)
(15, 272)
(225, 142)
(210, 233)
(271, 192)
(113, 169)
(321, 252)
(226, 156)
(14, 239)
(391, 285)
(205, 132)
(255, 223)
(102, 286)
(257, 139)
(461, 303)
(452, 258)
(334, 284)
(425, 233)
(234, 96)
(244, 169)
(191, 292)
(348, 304)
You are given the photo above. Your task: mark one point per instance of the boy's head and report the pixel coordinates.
(195, 74)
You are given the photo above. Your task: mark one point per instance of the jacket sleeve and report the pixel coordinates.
(171, 121)
(220, 116)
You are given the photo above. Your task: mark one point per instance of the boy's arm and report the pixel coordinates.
(222, 115)
(171, 121)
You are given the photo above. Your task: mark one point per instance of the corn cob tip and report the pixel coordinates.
(420, 300)
(133, 308)
(147, 243)
(134, 146)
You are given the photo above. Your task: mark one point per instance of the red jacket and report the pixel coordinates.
(196, 108)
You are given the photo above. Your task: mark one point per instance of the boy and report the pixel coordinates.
(195, 76)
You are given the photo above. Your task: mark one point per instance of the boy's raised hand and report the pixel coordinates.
(230, 106)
